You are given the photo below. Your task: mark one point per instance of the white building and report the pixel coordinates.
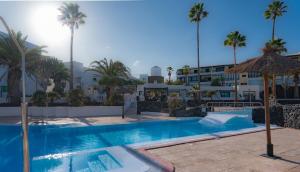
(88, 81)
(156, 90)
(249, 83)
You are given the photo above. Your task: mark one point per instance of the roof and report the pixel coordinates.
(269, 62)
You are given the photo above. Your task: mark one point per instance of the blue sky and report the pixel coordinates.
(154, 32)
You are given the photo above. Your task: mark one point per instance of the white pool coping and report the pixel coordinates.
(128, 161)
(200, 137)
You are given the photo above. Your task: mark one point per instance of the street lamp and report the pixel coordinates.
(24, 104)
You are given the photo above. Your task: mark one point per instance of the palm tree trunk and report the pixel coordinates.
(71, 60)
(13, 84)
(198, 63)
(169, 79)
(235, 79)
(273, 76)
(273, 28)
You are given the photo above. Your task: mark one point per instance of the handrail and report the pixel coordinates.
(220, 104)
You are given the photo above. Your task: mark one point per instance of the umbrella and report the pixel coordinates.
(268, 64)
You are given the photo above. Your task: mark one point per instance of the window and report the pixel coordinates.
(220, 69)
(244, 75)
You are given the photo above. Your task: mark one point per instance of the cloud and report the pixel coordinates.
(136, 63)
(107, 47)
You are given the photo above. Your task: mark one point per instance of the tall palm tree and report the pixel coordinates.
(11, 58)
(113, 73)
(196, 14)
(186, 72)
(169, 70)
(276, 9)
(235, 40)
(73, 18)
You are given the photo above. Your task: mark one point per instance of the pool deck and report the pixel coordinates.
(88, 120)
(240, 153)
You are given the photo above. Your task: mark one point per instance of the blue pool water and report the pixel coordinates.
(45, 140)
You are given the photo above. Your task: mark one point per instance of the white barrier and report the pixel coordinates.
(64, 111)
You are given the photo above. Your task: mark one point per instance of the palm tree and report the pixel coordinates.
(113, 73)
(275, 9)
(10, 57)
(186, 72)
(235, 40)
(170, 70)
(197, 13)
(73, 18)
(278, 45)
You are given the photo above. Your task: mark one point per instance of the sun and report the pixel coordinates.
(46, 27)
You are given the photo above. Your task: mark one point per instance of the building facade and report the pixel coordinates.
(249, 84)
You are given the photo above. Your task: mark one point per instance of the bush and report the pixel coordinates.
(115, 100)
(76, 97)
(39, 98)
(174, 103)
(52, 96)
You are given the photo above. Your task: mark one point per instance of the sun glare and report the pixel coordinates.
(46, 26)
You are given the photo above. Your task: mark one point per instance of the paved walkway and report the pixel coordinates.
(236, 154)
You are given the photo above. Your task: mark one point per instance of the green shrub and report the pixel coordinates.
(52, 96)
(39, 98)
(174, 103)
(76, 97)
(115, 100)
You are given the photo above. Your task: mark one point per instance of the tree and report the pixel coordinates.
(278, 45)
(196, 14)
(169, 70)
(276, 9)
(11, 57)
(186, 72)
(73, 18)
(235, 40)
(113, 73)
(51, 68)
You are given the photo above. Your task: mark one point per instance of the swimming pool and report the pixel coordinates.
(54, 139)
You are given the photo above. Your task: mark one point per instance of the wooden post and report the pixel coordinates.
(267, 115)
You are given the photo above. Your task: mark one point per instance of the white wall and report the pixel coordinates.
(64, 111)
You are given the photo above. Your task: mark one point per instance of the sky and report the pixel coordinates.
(146, 33)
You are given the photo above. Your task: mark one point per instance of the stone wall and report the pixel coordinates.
(188, 112)
(276, 115)
(292, 116)
(150, 106)
(281, 115)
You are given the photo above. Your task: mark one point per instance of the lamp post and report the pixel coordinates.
(23, 104)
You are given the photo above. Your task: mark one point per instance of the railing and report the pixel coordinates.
(233, 104)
